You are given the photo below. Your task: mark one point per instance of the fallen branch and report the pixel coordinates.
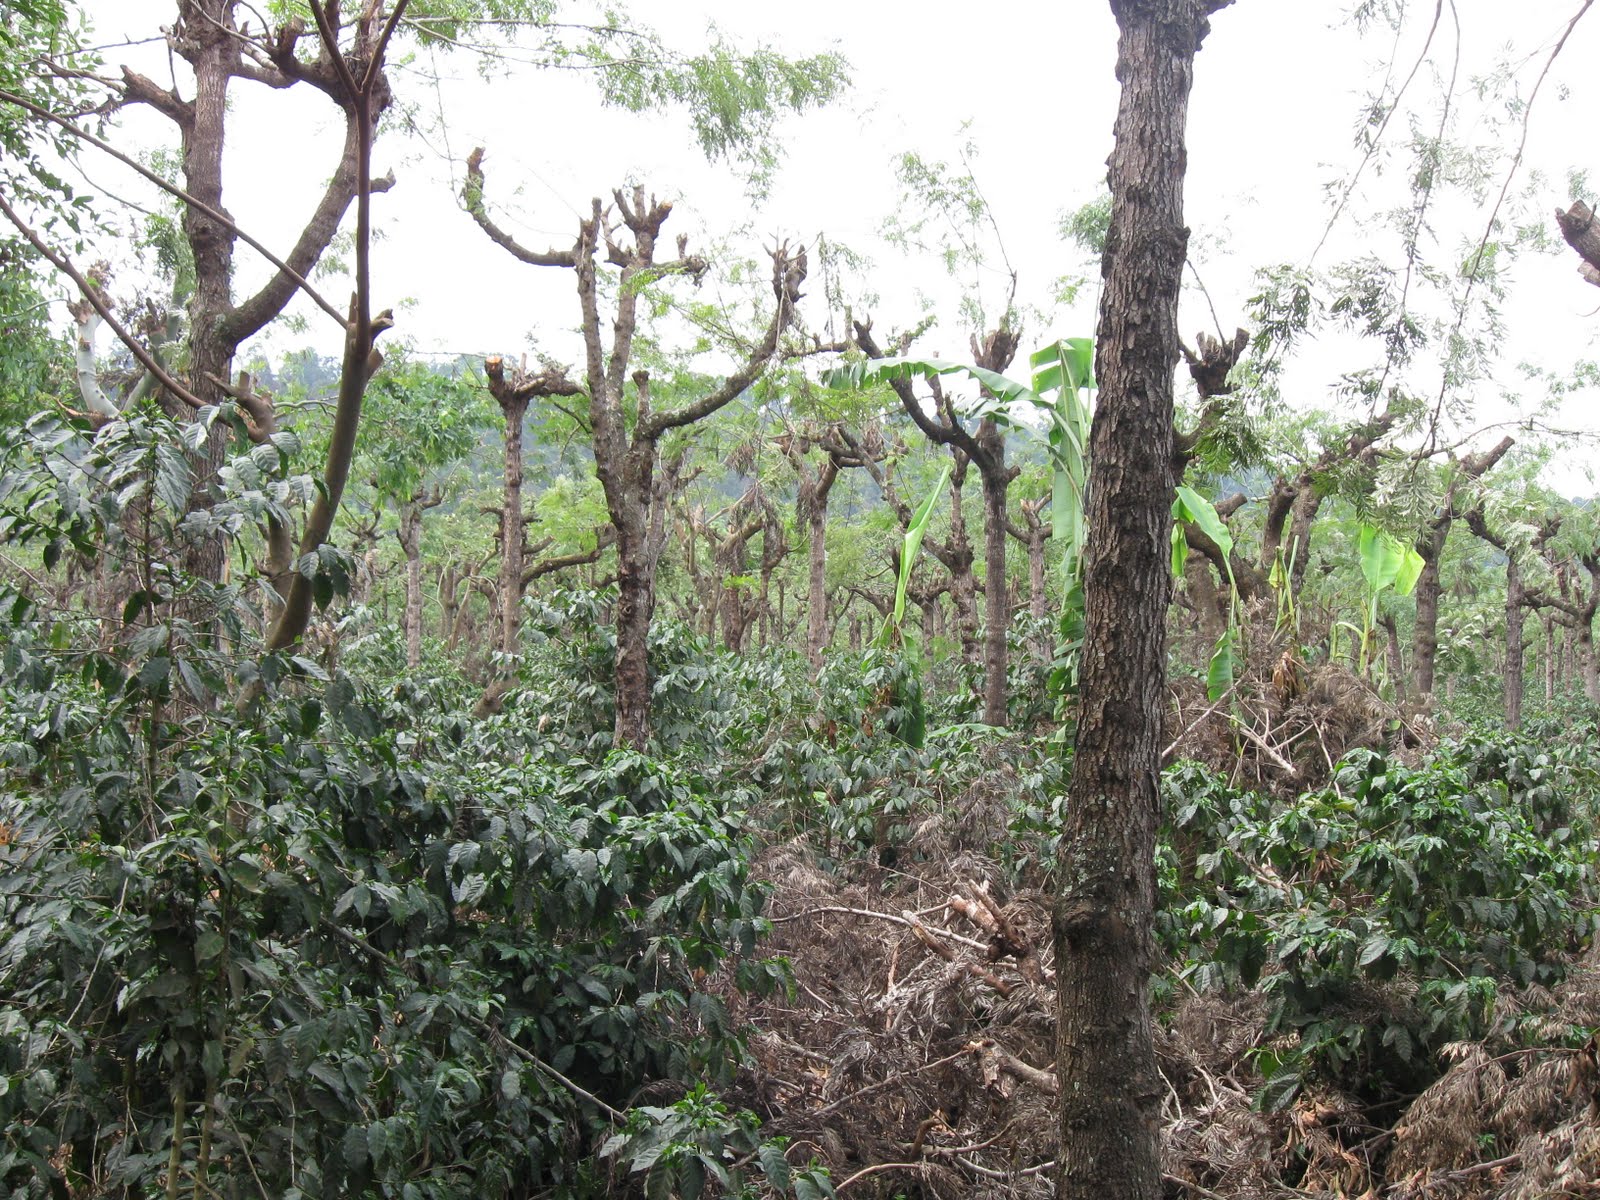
(1283, 764)
(883, 1083)
(925, 936)
(1193, 1187)
(908, 922)
(874, 1169)
(994, 1060)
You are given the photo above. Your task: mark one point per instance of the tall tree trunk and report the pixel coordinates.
(410, 537)
(958, 561)
(817, 490)
(1514, 645)
(1425, 636)
(996, 597)
(208, 36)
(1549, 658)
(816, 586)
(1036, 592)
(635, 607)
(515, 407)
(208, 33)
(449, 600)
(1033, 533)
(1110, 1088)
(1397, 660)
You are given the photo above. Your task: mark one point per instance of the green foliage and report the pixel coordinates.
(34, 366)
(894, 637)
(357, 944)
(1188, 506)
(1386, 564)
(416, 423)
(34, 30)
(679, 1150)
(1383, 912)
(734, 99)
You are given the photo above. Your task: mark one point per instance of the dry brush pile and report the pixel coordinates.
(915, 1054)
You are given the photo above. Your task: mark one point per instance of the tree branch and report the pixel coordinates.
(472, 198)
(98, 302)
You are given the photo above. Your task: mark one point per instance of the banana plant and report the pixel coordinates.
(893, 632)
(1189, 506)
(1279, 580)
(893, 635)
(1065, 365)
(1386, 563)
(1066, 368)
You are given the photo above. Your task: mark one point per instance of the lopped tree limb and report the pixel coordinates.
(472, 200)
(100, 305)
(1578, 227)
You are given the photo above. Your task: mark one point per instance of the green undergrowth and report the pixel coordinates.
(1382, 915)
(360, 942)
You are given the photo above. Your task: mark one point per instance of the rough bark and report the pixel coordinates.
(628, 451)
(1110, 1088)
(409, 535)
(1549, 659)
(1425, 636)
(815, 493)
(1395, 654)
(986, 450)
(1578, 227)
(1513, 673)
(208, 37)
(996, 595)
(955, 552)
(1513, 666)
(512, 537)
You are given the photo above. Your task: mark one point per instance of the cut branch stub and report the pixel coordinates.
(1578, 227)
(1214, 361)
(521, 385)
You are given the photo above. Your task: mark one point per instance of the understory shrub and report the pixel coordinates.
(1381, 913)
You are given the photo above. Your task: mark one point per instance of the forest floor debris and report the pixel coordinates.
(916, 1054)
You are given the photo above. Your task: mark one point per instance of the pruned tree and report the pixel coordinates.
(347, 65)
(207, 35)
(985, 449)
(513, 392)
(1461, 474)
(1109, 1086)
(840, 450)
(627, 444)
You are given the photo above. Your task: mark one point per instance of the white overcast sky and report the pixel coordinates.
(1279, 86)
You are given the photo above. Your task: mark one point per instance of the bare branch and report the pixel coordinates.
(98, 301)
(472, 198)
